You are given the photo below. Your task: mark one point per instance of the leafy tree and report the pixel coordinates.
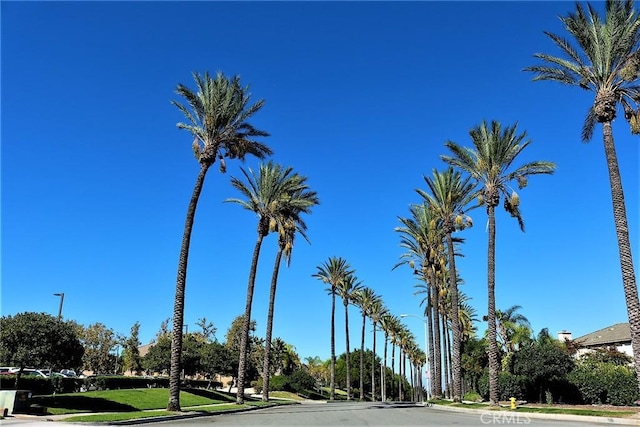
(131, 355)
(216, 114)
(490, 164)
(333, 272)
(207, 329)
(474, 361)
(607, 63)
(233, 341)
(36, 340)
(98, 341)
(216, 358)
(158, 358)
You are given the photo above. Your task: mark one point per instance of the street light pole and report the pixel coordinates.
(61, 295)
(426, 345)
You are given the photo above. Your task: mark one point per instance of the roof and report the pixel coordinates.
(614, 334)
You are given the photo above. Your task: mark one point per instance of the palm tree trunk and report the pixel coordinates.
(178, 305)
(437, 356)
(383, 372)
(491, 311)
(346, 330)
(332, 394)
(448, 355)
(244, 341)
(412, 383)
(266, 371)
(401, 373)
(373, 365)
(364, 320)
(393, 368)
(430, 366)
(455, 321)
(624, 246)
(445, 359)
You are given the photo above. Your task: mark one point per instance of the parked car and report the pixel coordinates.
(70, 373)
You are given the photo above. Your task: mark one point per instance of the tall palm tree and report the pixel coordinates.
(388, 323)
(490, 164)
(449, 197)
(347, 290)
(607, 62)
(268, 194)
(288, 223)
(216, 113)
(422, 237)
(364, 298)
(377, 311)
(333, 272)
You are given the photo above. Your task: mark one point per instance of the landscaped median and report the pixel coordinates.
(137, 404)
(617, 415)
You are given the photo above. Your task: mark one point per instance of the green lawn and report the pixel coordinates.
(126, 400)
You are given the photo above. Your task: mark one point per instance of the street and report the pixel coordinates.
(347, 414)
(369, 414)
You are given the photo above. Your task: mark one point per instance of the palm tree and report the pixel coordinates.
(608, 64)
(449, 198)
(269, 194)
(217, 114)
(347, 290)
(389, 324)
(377, 311)
(422, 237)
(490, 164)
(333, 272)
(288, 222)
(511, 328)
(364, 298)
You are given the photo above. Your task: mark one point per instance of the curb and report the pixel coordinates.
(181, 416)
(556, 417)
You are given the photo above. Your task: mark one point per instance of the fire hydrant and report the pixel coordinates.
(513, 402)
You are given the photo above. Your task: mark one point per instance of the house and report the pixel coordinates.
(617, 336)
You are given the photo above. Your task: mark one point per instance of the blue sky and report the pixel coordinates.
(360, 98)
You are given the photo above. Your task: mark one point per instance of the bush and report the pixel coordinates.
(301, 381)
(472, 396)
(509, 385)
(605, 383)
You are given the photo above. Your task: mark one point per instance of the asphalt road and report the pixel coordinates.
(349, 414)
(369, 414)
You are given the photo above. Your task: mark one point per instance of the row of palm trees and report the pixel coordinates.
(606, 62)
(342, 282)
(217, 115)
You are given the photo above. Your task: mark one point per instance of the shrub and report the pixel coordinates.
(509, 385)
(472, 396)
(301, 380)
(605, 383)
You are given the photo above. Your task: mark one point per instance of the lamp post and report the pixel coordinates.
(61, 295)
(426, 345)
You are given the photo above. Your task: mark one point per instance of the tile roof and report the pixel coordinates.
(614, 334)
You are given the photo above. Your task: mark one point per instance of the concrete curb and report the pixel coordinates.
(557, 417)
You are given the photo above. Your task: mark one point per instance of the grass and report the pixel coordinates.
(284, 395)
(539, 410)
(211, 409)
(133, 400)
